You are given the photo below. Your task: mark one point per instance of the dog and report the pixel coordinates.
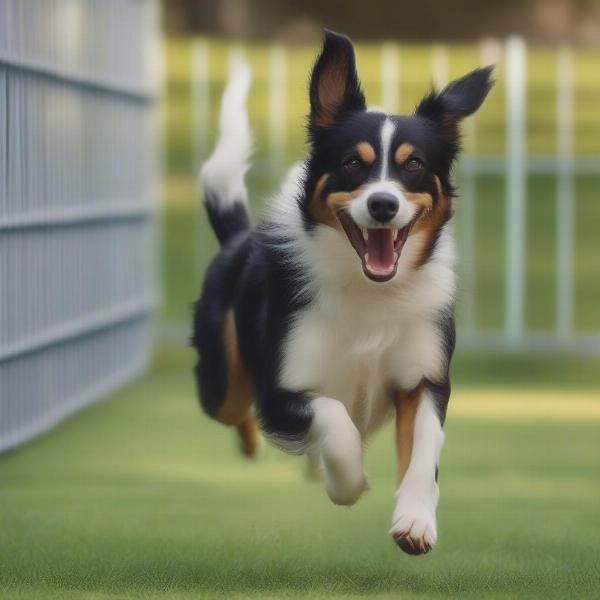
(336, 312)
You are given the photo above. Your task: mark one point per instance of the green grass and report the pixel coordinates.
(142, 497)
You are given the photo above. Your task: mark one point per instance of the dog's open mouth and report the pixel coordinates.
(379, 249)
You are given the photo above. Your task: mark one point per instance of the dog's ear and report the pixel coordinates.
(457, 100)
(334, 85)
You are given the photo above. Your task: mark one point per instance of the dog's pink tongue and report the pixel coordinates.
(380, 248)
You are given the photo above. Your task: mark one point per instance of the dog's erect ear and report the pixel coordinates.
(334, 85)
(457, 100)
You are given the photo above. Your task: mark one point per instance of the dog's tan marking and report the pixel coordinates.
(249, 436)
(324, 209)
(366, 153)
(406, 411)
(403, 152)
(421, 199)
(236, 408)
(338, 200)
(431, 222)
(237, 404)
(318, 208)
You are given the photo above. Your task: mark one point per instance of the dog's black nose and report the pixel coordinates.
(382, 206)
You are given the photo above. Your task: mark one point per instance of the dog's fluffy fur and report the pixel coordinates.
(336, 312)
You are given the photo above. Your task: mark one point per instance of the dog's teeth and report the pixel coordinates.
(395, 234)
(365, 233)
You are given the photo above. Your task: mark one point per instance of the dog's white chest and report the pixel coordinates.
(354, 356)
(357, 341)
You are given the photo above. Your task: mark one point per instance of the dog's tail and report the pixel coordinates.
(222, 176)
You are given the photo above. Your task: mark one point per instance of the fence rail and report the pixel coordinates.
(77, 182)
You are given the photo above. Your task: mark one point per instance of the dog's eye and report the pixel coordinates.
(413, 164)
(352, 164)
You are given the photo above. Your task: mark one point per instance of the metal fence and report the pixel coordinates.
(77, 174)
(513, 164)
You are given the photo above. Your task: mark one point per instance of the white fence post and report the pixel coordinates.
(516, 179)
(565, 194)
(200, 101)
(200, 84)
(439, 65)
(277, 109)
(468, 215)
(236, 56)
(390, 77)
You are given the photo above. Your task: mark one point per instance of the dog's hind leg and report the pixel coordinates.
(225, 388)
(237, 408)
(249, 436)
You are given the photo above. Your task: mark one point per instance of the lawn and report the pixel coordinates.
(142, 497)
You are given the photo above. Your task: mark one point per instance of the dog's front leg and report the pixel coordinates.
(321, 428)
(419, 440)
(337, 441)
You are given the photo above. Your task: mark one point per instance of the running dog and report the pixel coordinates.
(335, 313)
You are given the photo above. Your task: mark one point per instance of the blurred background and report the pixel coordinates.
(107, 110)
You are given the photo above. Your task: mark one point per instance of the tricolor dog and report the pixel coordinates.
(335, 313)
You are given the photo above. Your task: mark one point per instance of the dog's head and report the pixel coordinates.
(380, 178)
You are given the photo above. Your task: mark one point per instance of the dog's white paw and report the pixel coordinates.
(415, 533)
(414, 526)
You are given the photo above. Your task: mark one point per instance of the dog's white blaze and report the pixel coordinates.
(418, 494)
(359, 207)
(387, 132)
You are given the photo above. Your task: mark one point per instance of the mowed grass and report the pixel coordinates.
(143, 497)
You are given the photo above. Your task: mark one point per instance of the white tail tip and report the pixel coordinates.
(224, 171)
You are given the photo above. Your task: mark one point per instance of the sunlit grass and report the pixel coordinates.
(143, 497)
(538, 405)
